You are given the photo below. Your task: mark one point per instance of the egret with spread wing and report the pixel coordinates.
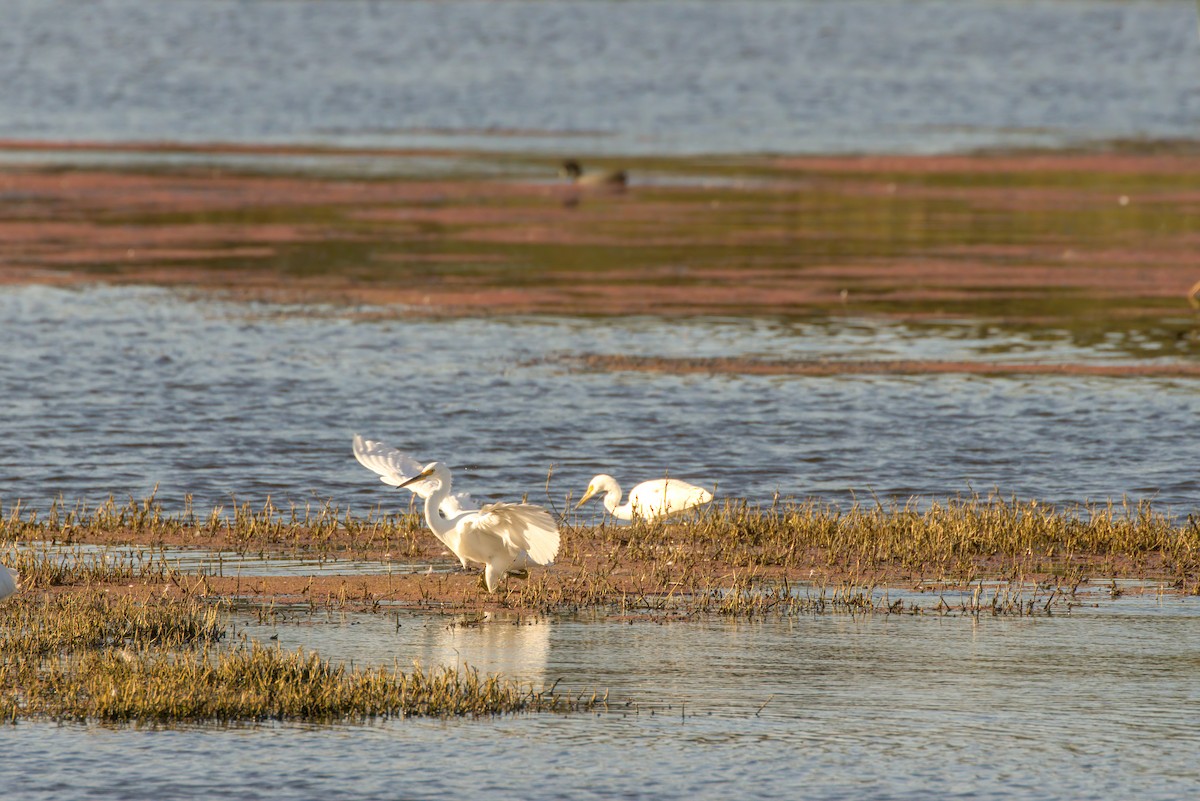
(649, 500)
(498, 535)
(8, 582)
(396, 467)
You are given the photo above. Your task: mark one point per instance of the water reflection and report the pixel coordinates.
(827, 707)
(516, 646)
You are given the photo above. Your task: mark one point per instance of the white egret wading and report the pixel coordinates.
(395, 468)
(498, 535)
(649, 500)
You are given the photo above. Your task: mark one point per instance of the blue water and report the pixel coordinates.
(664, 76)
(119, 390)
(114, 391)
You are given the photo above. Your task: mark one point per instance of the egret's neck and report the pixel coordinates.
(612, 502)
(440, 526)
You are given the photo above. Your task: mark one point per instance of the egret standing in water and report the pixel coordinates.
(649, 500)
(8, 582)
(498, 535)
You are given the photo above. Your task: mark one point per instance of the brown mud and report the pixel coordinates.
(830, 367)
(1035, 237)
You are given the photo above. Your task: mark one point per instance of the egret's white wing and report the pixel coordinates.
(523, 527)
(395, 467)
(457, 504)
(8, 582)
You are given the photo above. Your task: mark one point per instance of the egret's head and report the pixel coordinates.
(431, 470)
(599, 484)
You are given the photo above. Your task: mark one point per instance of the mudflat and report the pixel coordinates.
(1041, 238)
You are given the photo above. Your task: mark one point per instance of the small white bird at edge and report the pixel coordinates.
(8, 582)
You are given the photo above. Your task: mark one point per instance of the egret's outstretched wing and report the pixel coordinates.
(523, 527)
(8, 582)
(396, 467)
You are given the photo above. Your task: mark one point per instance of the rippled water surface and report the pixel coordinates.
(115, 391)
(1093, 706)
(668, 76)
(118, 391)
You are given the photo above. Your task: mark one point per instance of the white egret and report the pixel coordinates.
(649, 500)
(397, 469)
(498, 535)
(8, 582)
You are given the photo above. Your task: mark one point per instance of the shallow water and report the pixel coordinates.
(674, 77)
(1094, 706)
(200, 561)
(117, 390)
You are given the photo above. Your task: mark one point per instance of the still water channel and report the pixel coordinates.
(1098, 705)
(588, 76)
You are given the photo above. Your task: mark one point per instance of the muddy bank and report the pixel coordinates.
(1035, 237)
(832, 367)
(785, 554)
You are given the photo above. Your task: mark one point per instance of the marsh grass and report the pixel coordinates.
(960, 539)
(43, 564)
(38, 625)
(240, 527)
(92, 656)
(1010, 556)
(258, 683)
(731, 558)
